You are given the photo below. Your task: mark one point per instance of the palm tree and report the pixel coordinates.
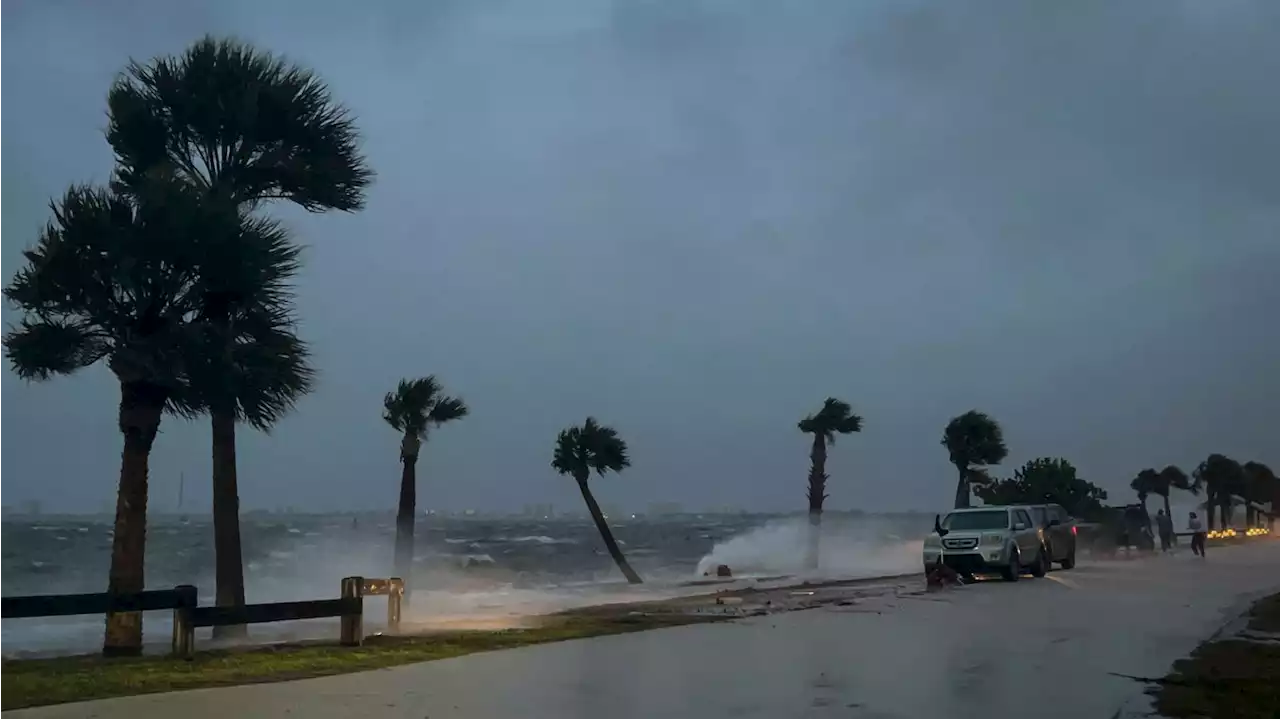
(974, 441)
(1145, 485)
(835, 417)
(1261, 485)
(1167, 480)
(579, 452)
(1220, 477)
(105, 282)
(252, 368)
(413, 409)
(243, 127)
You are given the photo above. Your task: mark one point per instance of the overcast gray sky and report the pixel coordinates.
(696, 219)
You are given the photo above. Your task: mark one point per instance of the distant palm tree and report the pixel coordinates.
(243, 127)
(413, 409)
(1145, 485)
(835, 417)
(974, 441)
(594, 448)
(106, 282)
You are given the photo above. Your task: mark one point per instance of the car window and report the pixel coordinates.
(1020, 515)
(1039, 514)
(1060, 514)
(990, 519)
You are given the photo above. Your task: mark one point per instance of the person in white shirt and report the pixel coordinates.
(1197, 534)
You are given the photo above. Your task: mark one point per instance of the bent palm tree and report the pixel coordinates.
(1167, 480)
(835, 417)
(579, 452)
(412, 410)
(106, 282)
(974, 441)
(242, 127)
(1145, 485)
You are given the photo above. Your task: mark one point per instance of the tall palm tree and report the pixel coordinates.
(252, 368)
(243, 127)
(413, 409)
(974, 441)
(835, 417)
(594, 448)
(106, 282)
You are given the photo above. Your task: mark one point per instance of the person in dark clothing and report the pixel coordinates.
(1164, 525)
(1197, 534)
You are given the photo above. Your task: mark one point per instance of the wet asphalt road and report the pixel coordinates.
(1040, 648)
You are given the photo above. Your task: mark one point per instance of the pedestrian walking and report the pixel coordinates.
(1164, 525)
(1197, 534)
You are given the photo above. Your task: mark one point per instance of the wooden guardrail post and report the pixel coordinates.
(352, 633)
(184, 632)
(395, 595)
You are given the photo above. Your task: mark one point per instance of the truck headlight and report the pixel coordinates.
(932, 541)
(993, 540)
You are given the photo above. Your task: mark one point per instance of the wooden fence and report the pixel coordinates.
(187, 615)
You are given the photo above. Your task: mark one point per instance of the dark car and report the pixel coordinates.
(1059, 532)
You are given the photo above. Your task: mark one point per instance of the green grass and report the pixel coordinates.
(37, 682)
(1229, 678)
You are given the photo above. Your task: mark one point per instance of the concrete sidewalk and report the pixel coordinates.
(1042, 647)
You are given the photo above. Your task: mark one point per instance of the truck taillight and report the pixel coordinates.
(1074, 530)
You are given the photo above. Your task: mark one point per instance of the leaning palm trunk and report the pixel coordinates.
(817, 493)
(605, 533)
(962, 489)
(406, 511)
(228, 556)
(140, 408)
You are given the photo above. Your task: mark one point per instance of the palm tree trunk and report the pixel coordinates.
(817, 495)
(405, 515)
(140, 408)
(962, 489)
(1210, 504)
(228, 556)
(605, 533)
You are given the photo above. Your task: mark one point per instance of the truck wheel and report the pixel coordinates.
(1041, 567)
(1013, 570)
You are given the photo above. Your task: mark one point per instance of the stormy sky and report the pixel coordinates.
(695, 219)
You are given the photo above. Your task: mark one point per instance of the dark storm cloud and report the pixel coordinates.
(698, 219)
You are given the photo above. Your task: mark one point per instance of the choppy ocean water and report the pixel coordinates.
(463, 568)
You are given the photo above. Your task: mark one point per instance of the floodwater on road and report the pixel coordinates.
(1054, 647)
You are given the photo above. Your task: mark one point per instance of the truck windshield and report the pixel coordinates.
(994, 519)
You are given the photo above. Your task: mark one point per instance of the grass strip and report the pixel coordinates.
(1228, 678)
(38, 682)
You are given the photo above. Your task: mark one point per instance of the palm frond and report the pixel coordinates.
(591, 447)
(835, 417)
(418, 404)
(39, 349)
(240, 123)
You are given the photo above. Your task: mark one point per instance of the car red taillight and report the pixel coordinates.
(1074, 530)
